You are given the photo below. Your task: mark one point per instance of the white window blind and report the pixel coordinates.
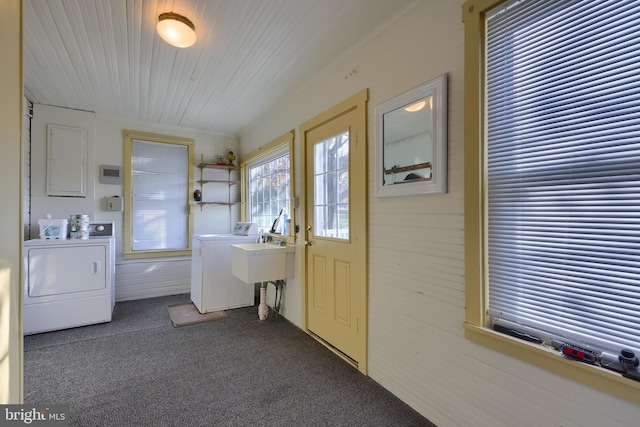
(160, 187)
(563, 153)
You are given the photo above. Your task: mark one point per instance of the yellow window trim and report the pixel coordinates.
(284, 141)
(129, 136)
(476, 322)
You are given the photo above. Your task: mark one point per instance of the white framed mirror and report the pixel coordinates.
(411, 142)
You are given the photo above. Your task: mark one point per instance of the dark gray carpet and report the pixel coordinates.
(139, 370)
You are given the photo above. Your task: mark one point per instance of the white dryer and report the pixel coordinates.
(69, 283)
(213, 287)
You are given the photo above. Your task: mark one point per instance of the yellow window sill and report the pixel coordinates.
(156, 254)
(551, 360)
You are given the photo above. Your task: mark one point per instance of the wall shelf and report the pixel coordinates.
(399, 169)
(219, 203)
(231, 180)
(219, 181)
(211, 165)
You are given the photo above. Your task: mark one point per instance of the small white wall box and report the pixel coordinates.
(114, 203)
(110, 174)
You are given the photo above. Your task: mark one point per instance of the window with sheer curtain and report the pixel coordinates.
(160, 174)
(269, 188)
(267, 176)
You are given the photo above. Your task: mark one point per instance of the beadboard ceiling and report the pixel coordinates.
(105, 55)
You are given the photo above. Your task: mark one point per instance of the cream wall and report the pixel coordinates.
(58, 207)
(417, 348)
(146, 278)
(10, 211)
(135, 278)
(109, 151)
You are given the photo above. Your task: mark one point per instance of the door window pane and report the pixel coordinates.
(331, 187)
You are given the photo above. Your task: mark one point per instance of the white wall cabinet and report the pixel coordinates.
(66, 161)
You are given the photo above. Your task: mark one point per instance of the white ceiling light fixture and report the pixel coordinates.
(176, 30)
(416, 107)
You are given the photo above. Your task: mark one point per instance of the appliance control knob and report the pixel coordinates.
(100, 228)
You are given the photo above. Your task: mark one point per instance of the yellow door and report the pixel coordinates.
(336, 258)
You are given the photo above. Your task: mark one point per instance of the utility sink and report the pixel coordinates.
(262, 262)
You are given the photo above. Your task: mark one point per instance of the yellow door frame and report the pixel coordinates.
(356, 102)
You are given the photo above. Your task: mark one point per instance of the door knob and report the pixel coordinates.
(308, 241)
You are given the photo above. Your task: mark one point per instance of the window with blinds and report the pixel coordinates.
(160, 188)
(563, 169)
(158, 183)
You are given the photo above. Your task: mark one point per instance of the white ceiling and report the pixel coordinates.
(105, 56)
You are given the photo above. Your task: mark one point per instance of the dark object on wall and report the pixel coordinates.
(412, 176)
(197, 195)
(630, 363)
(230, 158)
(275, 223)
(518, 334)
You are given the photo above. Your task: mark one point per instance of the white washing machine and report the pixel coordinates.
(213, 287)
(69, 283)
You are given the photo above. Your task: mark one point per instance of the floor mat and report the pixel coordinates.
(187, 314)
